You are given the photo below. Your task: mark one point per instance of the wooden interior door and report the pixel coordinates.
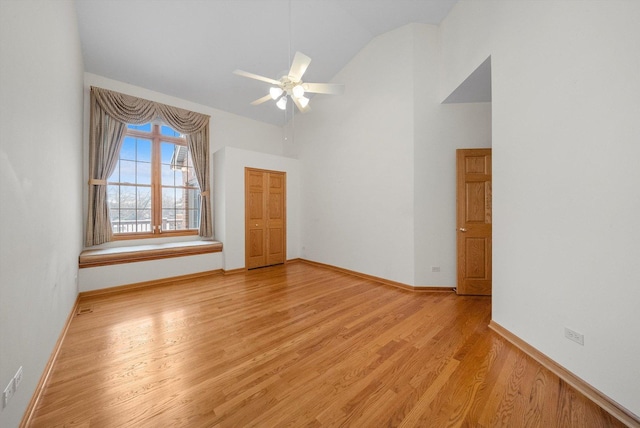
(473, 194)
(265, 218)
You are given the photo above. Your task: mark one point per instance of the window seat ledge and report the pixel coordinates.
(140, 253)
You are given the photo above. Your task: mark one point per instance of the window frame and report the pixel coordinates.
(156, 138)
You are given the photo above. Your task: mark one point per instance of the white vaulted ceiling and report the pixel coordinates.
(189, 48)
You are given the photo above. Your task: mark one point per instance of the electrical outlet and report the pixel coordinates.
(574, 335)
(18, 378)
(8, 393)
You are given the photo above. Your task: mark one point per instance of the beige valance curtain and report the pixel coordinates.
(129, 109)
(110, 113)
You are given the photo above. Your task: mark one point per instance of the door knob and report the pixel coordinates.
(462, 229)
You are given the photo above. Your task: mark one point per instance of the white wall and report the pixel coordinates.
(565, 175)
(40, 186)
(229, 195)
(225, 130)
(378, 163)
(356, 155)
(440, 129)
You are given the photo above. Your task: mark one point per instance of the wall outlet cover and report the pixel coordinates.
(574, 335)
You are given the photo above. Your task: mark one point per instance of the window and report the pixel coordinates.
(145, 171)
(153, 189)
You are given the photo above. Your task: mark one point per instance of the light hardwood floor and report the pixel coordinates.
(298, 345)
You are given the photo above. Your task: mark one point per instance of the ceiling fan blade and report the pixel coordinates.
(256, 76)
(324, 88)
(298, 66)
(302, 109)
(261, 100)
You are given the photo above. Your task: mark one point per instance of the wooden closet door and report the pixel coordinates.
(255, 218)
(265, 218)
(275, 246)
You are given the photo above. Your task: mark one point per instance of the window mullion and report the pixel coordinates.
(156, 180)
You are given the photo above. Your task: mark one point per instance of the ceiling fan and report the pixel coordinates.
(291, 85)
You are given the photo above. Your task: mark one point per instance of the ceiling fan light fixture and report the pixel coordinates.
(275, 92)
(291, 85)
(298, 91)
(282, 103)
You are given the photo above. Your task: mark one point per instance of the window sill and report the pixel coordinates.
(141, 253)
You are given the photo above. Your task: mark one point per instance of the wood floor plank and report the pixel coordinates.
(499, 404)
(298, 345)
